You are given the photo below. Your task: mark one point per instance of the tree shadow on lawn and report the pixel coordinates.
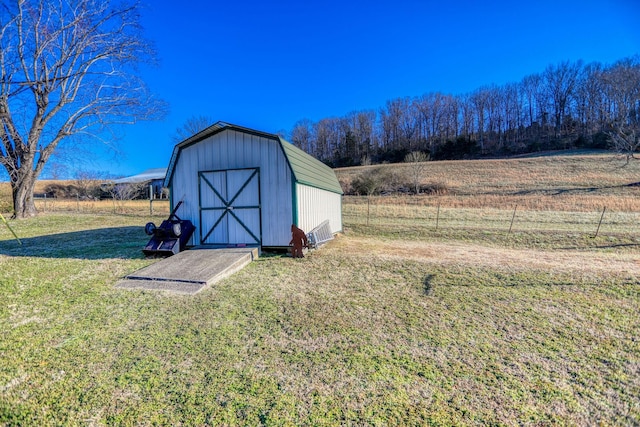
(100, 243)
(572, 190)
(611, 246)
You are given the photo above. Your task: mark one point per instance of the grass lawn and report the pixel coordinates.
(379, 327)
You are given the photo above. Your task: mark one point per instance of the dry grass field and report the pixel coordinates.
(396, 322)
(555, 194)
(555, 183)
(106, 206)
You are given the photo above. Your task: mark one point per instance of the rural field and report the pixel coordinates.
(511, 297)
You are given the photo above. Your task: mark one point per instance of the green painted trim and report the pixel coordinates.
(294, 200)
(341, 224)
(308, 184)
(200, 206)
(206, 133)
(204, 182)
(170, 199)
(235, 208)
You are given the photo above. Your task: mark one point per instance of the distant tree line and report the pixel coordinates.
(568, 105)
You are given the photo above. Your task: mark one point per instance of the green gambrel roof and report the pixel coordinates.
(306, 169)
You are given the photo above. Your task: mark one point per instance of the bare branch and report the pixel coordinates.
(417, 165)
(625, 141)
(192, 126)
(67, 67)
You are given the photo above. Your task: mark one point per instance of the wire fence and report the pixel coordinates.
(399, 211)
(405, 211)
(106, 206)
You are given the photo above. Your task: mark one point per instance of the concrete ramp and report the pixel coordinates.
(190, 271)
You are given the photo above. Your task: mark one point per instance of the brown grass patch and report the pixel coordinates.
(566, 183)
(579, 263)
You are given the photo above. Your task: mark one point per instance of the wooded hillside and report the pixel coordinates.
(568, 105)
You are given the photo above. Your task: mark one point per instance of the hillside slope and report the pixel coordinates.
(556, 182)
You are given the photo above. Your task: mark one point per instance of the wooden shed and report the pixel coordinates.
(241, 186)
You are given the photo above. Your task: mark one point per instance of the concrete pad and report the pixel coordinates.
(190, 271)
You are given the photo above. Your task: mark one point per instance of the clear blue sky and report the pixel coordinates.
(268, 64)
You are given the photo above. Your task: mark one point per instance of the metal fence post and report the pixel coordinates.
(600, 223)
(512, 218)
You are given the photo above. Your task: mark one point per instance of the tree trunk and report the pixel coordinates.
(22, 191)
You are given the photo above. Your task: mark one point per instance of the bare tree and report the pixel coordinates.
(590, 99)
(399, 123)
(466, 115)
(438, 119)
(56, 170)
(329, 134)
(121, 193)
(480, 100)
(417, 165)
(373, 180)
(625, 141)
(322, 131)
(530, 86)
(66, 69)
(303, 136)
(192, 126)
(622, 84)
(567, 105)
(560, 82)
(88, 183)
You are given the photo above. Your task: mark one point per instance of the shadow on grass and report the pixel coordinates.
(572, 190)
(427, 284)
(101, 243)
(611, 246)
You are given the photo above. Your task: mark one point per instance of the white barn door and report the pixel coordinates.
(230, 207)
